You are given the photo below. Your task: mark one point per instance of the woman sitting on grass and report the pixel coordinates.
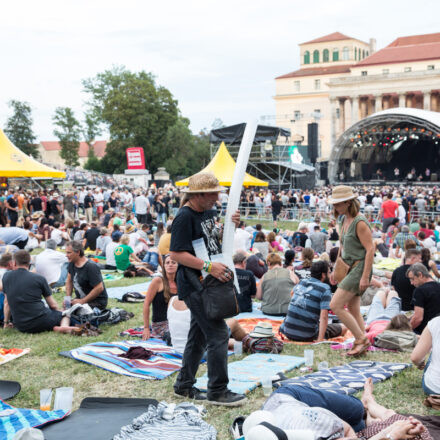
(272, 240)
(261, 245)
(303, 270)
(159, 293)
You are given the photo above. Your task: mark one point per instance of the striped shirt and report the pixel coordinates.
(310, 296)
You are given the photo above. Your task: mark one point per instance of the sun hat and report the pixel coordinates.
(341, 193)
(262, 330)
(129, 229)
(203, 183)
(35, 216)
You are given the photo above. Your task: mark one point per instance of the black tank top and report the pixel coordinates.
(160, 307)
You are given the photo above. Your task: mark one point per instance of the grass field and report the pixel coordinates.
(44, 368)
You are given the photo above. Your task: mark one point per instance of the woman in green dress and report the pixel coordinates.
(357, 251)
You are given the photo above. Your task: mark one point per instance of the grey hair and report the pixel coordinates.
(239, 257)
(418, 269)
(51, 244)
(76, 247)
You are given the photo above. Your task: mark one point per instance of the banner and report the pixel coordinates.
(135, 158)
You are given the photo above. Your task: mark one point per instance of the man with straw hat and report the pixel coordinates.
(197, 220)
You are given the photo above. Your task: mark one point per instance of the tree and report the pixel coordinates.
(137, 112)
(91, 129)
(68, 132)
(19, 127)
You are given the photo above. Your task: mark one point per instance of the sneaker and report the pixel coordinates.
(228, 398)
(191, 393)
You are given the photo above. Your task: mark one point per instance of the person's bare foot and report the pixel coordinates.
(367, 395)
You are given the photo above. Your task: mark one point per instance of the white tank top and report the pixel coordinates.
(178, 323)
(432, 374)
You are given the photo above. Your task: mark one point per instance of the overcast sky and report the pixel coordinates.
(219, 59)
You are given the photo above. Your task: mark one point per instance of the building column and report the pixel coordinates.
(402, 100)
(341, 102)
(354, 109)
(377, 103)
(332, 123)
(364, 108)
(427, 100)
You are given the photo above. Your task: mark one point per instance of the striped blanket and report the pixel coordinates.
(105, 355)
(9, 354)
(13, 419)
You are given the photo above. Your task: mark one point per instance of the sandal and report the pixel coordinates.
(359, 347)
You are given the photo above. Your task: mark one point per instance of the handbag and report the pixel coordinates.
(341, 268)
(219, 299)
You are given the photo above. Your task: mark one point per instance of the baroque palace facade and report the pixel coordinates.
(342, 80)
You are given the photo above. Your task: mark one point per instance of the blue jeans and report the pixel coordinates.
(152, 258)
(427, 390)
(378, 312)
(348, 408)
(63, 276)
(162, 217)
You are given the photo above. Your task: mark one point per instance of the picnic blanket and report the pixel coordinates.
(112, 276)
(246, 375)
(164, 362)
(349, 378)
(136, 332)
(15, 419)
(9, 354)
(388, 264)
(118, 292)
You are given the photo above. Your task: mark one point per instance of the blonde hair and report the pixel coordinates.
(307, 256)
(125, 239)
(273, 259)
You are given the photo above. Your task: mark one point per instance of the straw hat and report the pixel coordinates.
(262, 330)
(35, 216)
(129, 229)
(341, 193)
(203, 183)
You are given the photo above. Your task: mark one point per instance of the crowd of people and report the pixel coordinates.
(315, 276)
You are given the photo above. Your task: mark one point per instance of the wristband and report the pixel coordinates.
(209, 267)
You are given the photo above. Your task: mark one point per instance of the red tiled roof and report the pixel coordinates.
(397, 53)
(310, 71)
(416, 39)
(98, 146)
(335, 36)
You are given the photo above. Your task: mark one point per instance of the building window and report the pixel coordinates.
(317, 111)
(363, 54)
(335, 54)
(338, 113)
(355, 53)
(366, 53)
(364, 73)
(316, 56)
(345, 54)
(407, 69)
(385, 71)
(296, 86)
(325, 56)
(431, 67)
(297, 115)
(306, 57)
(317, 84)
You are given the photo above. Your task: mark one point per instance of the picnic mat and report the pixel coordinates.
(112, 276)
(245, 375)
(136, 332)
(9, 354)
(165, 360)
(118, 292)
(14, 419)
(347, 379)
(388, 264)
(98, 418)
(9, 389)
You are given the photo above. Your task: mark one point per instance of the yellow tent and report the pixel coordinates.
(223, 166)
(14, 163)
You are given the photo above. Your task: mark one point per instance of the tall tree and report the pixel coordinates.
(91, 129)
(68, 132)
(19, 127)
(137, 113)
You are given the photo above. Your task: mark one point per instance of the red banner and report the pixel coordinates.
(135, 158)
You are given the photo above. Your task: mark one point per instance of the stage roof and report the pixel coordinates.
(234, 133)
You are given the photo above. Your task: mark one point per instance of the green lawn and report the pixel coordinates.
(44, 368)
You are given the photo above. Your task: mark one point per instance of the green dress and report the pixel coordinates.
(352, 251)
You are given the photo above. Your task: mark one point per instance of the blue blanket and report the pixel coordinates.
(24, 418)
(349, 378)
(246, 374)
(118, 292)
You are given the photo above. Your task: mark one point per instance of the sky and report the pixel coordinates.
(218, 59)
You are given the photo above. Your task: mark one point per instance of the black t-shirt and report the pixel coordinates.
(13, 204)
(88, 201)
(24, 291)
(370, 199)
(248, 289)
(299, 239)
(190, 225)
(276, 206)
(427, 296)
(91, 235)
(37, 204)
(84, 279)
(403, 287)
(54, 207)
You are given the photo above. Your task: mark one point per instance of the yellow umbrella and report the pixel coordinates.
(223, 166)
(15, 163)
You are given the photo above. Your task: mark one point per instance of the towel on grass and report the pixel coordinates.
(349, 378)
(118, 292)
(9, 354)
(388, 264)
(105, 355)
(136, 332)
(112, 276)
(13, 419)
(246, 375)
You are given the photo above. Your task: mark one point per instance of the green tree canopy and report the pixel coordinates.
(19, 127)
(68, 132)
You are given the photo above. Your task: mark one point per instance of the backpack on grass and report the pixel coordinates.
(262, 345)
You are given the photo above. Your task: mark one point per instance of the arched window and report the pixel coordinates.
(345, 53)
(325, 56)
(355, 53)
(306, 57)
(363, 54)
(335, 54)
(316, 56)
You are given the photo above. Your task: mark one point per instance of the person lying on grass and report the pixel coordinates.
(24, 291)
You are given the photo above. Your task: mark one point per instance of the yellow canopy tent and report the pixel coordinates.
(223, 166)
(14, 163)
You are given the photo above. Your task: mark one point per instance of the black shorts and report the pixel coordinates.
(333, 330)
(45, 323)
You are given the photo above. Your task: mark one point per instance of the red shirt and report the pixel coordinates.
(375, 328)
(428, 232)
(389, 209)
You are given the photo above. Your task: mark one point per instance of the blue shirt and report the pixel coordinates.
(13, 234)
(310, 296)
